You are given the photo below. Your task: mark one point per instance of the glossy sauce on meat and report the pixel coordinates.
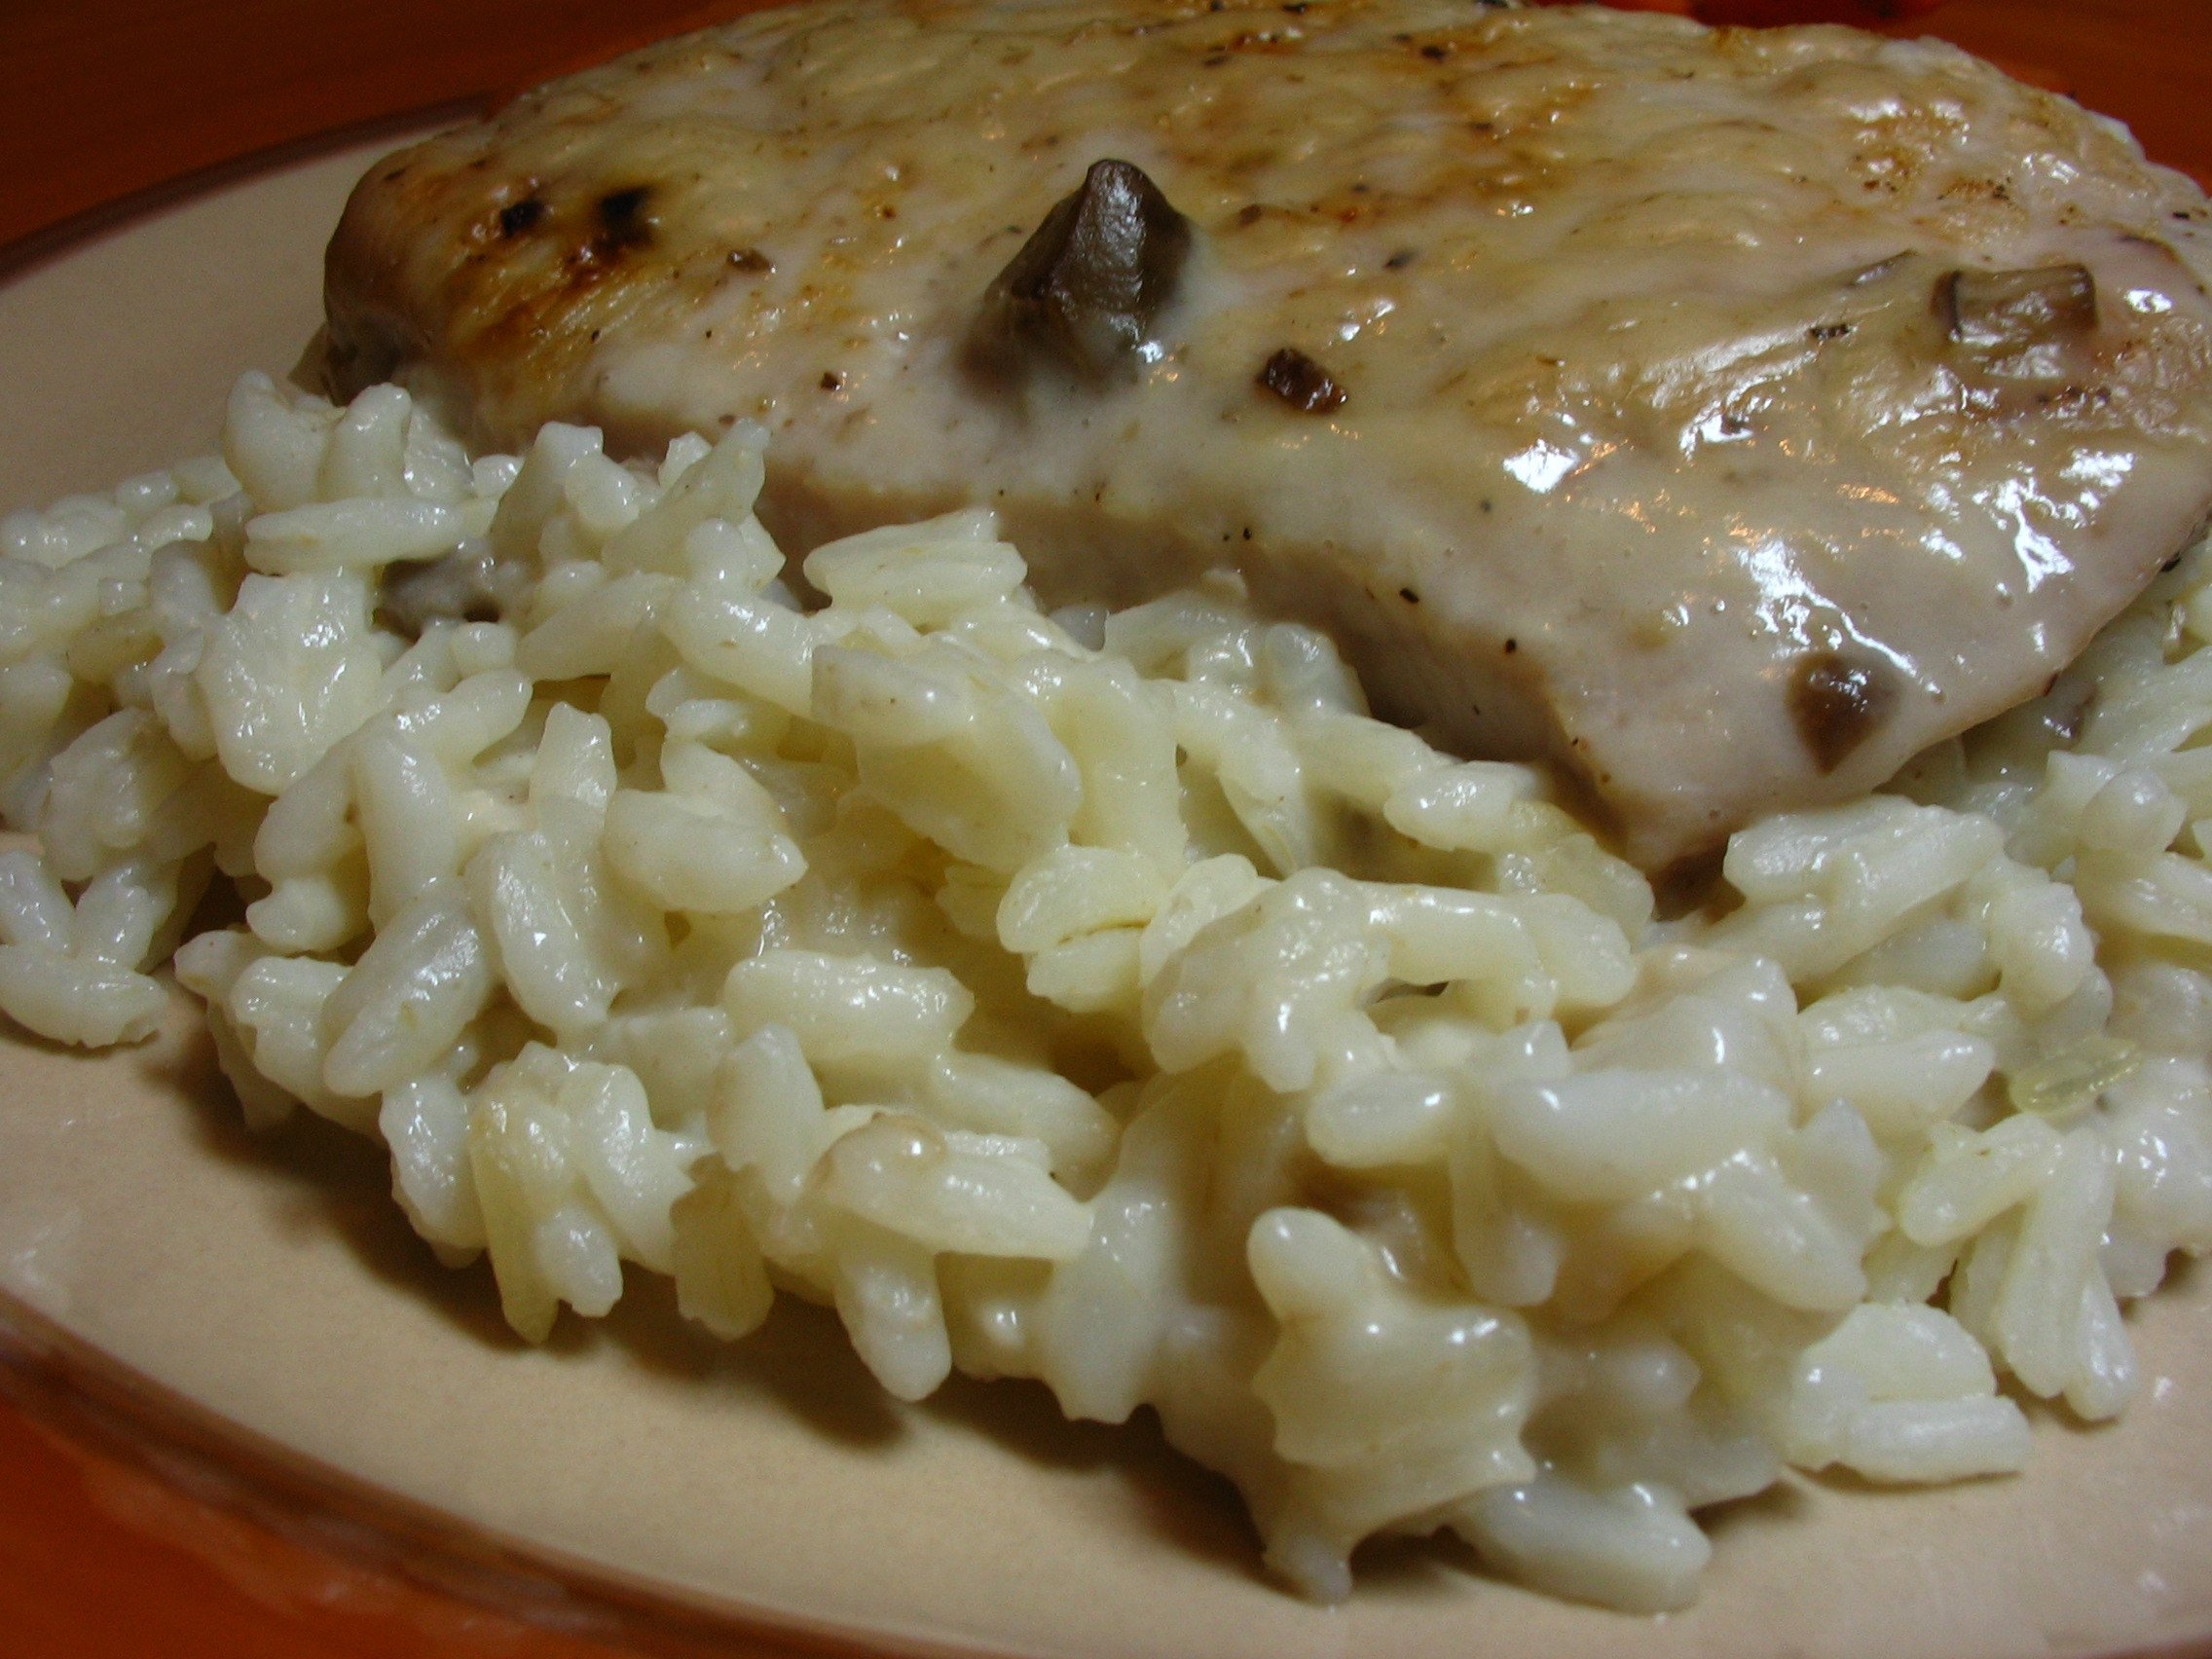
(1727, 414)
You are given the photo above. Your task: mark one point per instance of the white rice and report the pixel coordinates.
(1106, 999)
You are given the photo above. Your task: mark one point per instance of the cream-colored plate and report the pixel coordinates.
(271, 1283)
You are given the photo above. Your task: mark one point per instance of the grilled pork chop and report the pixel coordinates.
(1728, 414)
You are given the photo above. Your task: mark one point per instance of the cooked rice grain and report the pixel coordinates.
(1107, 999)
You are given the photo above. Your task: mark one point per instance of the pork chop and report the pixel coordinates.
(1728, 414)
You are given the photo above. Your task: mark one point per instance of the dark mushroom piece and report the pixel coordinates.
(2006, 310)
(470, 584)
(1300, 382)
(1086, 288)
(1838, 702)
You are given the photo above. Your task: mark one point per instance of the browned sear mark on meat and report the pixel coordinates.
(517, 218)
(1300, 382)
(622, 218)
(623, 226)
(1838, 702)
(1085, 290)
(2004, 311)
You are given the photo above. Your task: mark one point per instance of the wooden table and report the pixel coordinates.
(101, 1555)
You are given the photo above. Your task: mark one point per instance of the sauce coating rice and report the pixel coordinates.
(1106, 998)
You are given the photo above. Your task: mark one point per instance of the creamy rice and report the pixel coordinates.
(1106, 998)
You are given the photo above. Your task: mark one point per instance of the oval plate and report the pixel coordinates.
(266, 1291)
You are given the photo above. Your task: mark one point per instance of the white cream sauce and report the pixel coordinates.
(1651, 405)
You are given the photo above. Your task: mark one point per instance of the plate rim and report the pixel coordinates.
(35, 1346)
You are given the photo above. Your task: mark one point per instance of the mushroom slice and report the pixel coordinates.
(2005, 310)
(470, 584)
(1086, 287)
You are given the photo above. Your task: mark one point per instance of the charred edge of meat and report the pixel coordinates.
(2004, 311)
(1300, 382)
(466, 585)
(1839, 701)
(1086, 287)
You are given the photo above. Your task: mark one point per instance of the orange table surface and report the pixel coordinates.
(110, 97)
(105, 1551)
